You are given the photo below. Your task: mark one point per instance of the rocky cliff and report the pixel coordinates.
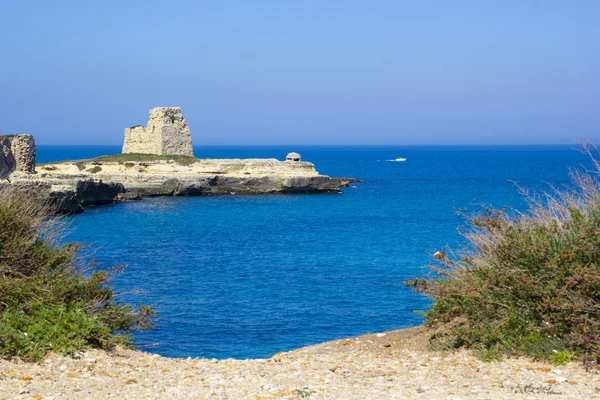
(73, 184)
(17, 153)
(166, 133)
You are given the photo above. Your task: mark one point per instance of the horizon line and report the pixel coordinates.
(576, 143)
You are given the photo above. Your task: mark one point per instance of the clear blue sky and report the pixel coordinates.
(304, 72)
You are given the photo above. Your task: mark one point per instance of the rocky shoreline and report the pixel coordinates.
(157, 160)
(391, 365)
(72, 185)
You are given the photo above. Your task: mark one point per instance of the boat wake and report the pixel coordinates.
(396, 160)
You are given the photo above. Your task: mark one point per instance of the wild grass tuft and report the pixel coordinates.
(50, 298)
(526, 283)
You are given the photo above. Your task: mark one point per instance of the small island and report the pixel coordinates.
(157, 160)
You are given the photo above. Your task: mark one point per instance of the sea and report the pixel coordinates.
(249, 276)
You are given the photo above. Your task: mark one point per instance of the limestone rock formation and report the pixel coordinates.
(167, 133)
(62, 199)
(7, 160)
(72, 184)
(88, 192)
(17, 153)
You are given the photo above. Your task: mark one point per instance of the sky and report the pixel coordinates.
(334, 72)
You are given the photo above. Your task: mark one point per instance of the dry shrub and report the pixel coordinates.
(526, 283)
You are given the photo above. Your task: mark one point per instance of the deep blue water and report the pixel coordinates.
(248, 276)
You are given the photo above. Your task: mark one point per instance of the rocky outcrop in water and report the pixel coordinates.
(62, 199)
(97, 192)
(73, 184)
(167, 133)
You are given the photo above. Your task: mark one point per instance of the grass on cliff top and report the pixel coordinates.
(527, 283)
(121, 158)
(51, 299)
(134, 157)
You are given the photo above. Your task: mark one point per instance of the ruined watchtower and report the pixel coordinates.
(17, 153)
(167, 133)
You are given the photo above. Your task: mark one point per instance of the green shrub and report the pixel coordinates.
(526, 283)
(562, 357)
(94, 169)
(41, 330)
(50, 298)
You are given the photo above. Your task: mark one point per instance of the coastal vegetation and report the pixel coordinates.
(51, 298)
(126, 158)
(526, 283)
(134, 157)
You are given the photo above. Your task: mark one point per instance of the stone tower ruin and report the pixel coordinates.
(167, 133)
(17, 153)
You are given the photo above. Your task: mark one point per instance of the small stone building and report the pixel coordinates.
(293, 157)
(167, 133)
(17, 153)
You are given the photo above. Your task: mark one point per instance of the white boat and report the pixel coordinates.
(399, 159)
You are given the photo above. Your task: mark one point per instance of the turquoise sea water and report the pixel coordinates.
(248, 276)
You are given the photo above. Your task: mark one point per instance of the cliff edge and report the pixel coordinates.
(157, 160)
(74, 184)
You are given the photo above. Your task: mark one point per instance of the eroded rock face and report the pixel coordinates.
(17, 153)
(7, 160)
(64, 201)
(72, 184)
(167, 133)
(92, 191)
